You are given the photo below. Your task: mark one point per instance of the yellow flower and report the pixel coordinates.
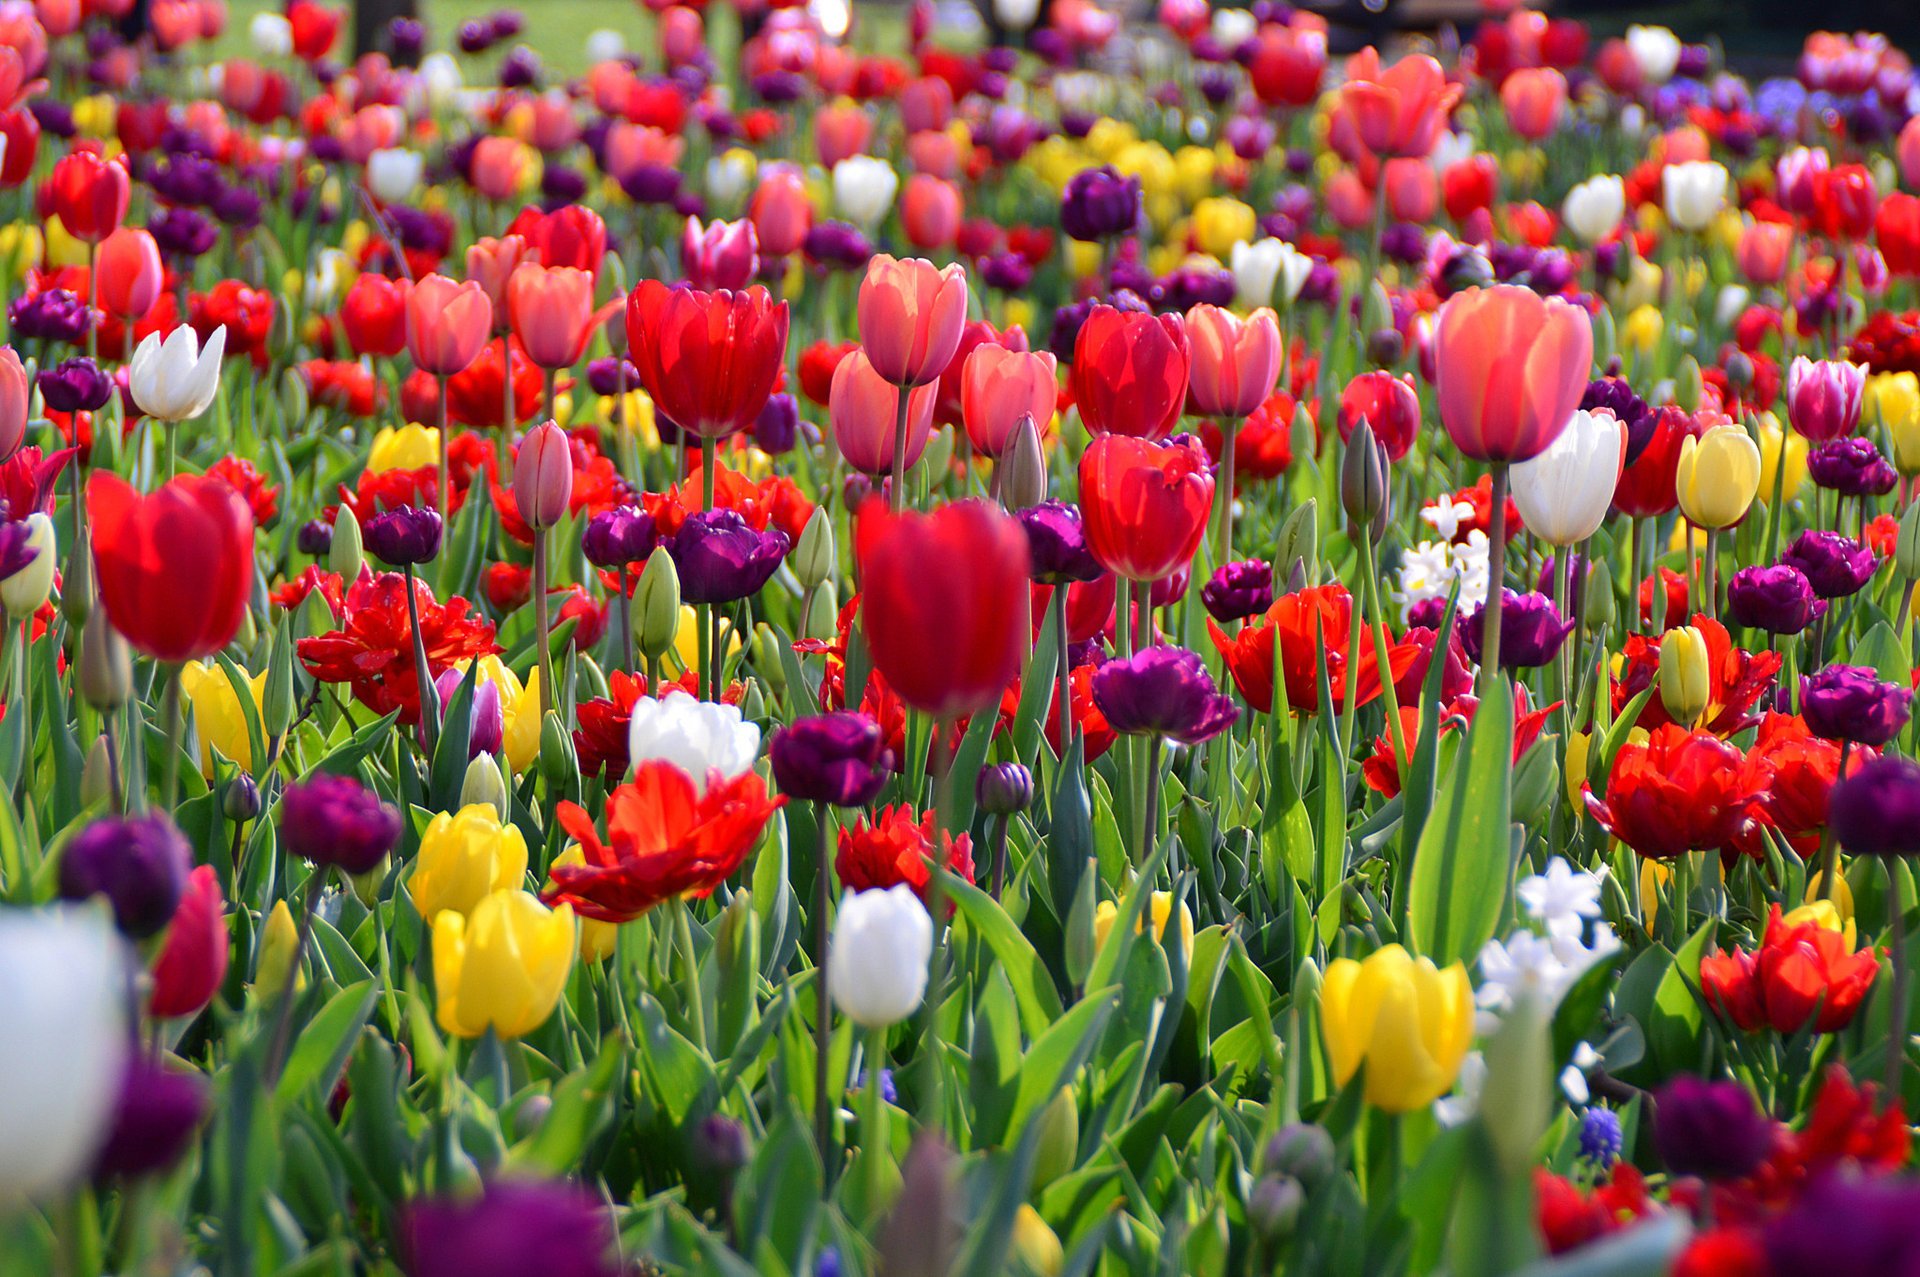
(1525, 166)
(1149, 162)
(519, 709)
(1219, 223)
(597, 939)
(94, 116)
(1685, 685)
(1036, 1245)
(1717, 477)
(1817, 903)
(218, 719)
(636, 420)
(1408, 1020)
(1159, 906)
(1019, 312)
(1823, 913)
(1109, 137)
(1725, 230)
(1894, 400)
(503, 967)
(410, 447)
(1083, 258)
(465, 857)
(1193, 168)
(62, 248)
(1579, 748)
(686, 642)
(563, 408)
(353, 241)
(1653, 877)
(277, 942)
(1774, 442)
(20, 246)
(1640, 288)
(1643, 329)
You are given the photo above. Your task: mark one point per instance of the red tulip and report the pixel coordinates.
(1308, 627)
(1800, 974)
(1675, 792)
(89, 195)
(709, 360)
(447, 324)
(1896, 229)
(130, 272)
(1534, 99)
(911, 313)
(1287, 65)
(1130, 372)
(1646, 487)
(490, 264)
(193, 957)
(1389, 404)
(1470, 186)
(1000, 386)
(573, 235)
(550, 309)
(1396, 112)
(1235, 361)
(943, 604)
(1145, 503)
(1510, 366)
(21, 130)
(176, 567)
(864, 410)
(926, 104)
(1412, 190)
(315, 28)
(781, 211)
(1844, 200)
(373, 315)
(1763, 248)
(817, 365)
(930, 211)
(947, 408)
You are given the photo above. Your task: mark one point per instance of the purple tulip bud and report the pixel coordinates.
(159, 1108)
(722, 558)
(315, 537)
(1238, 591)
(837, 244)
(404, 536)
(1099, 204)
(1163, 691)
(841, 759)
(335, 820)
(1710, 1129)
(139, 863)
(1779, 600)
(1002, 789)
(78, 385)
(486, 722)
(777, 428)
(407, 39)
(1850, 702)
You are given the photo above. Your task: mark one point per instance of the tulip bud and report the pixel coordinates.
(766, 657)
(277, 941)
(1597, 597)
(240, 800)
(96, 774)
(543, 476)
(1003, 789)
(76, 585)
(1687, 385)
(1298, 543)
(1301, 1151)
(656, 605)
(344, 554)
(1385, 347)
(1059, 1139)
(1023, 467)
(939, 453)
(1536, 781)
(1906, 548)
(921, 1235)
(483, 783)
(1363, 482)
(720, 1145)
(813, 559)
(1684, 677)
(1376, 309)
(753, 703)
(1081, 944)
(559, 766)
(366, 886)
(1274, 1208)
(822, 615)
(1739, 371)
(27, 590)
(106, 667)
(1036, 1246)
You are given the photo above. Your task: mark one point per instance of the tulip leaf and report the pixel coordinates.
(1675, 1020)
(1617, 736)
(345, 758)
(1461, 867)
(1881, 650)
(582, 1105)
(242, 688)
(327, 1040)
(1038, 1000)
(450, 754)
(1037, 690)
(1070, 831)
(959, 804)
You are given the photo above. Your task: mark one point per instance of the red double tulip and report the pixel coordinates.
(910, 314)
(943, 603)
(89, 195)
(709, 360)
(1234, 361)
(1130, 372)
(175, 568)
(447, 324)
(1800, 974)
(1675, 792)
(1145, 503)
(373, 315)
(130, 273)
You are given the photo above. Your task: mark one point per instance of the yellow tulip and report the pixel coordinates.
(563, 408)
(1640, 288)
(1825, 914)
(410, 447)
(1894, 400)
(1718, 476)
(1408, 1020)
(634, 418)
(278, 939)
(686, 642)
(1775, 443)
(465, 856)
(1109, 137)
(1525, 166)
(1219, 223)
(520, 714)
(1159, 907)
(1150, 162)
(1083, 258)
(218, 719)
(94, 116)
(1019, 312)
(1579, 749)
(1654, 876)
(1642, 330)
(353, 241)
(1036, 1245)
(62, 248)
(20, 246)
(1193, 168)
(1841, 903)
(503, 967)
(1685, 683)
(597, 938)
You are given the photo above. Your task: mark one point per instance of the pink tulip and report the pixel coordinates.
(1908, 151)
(1399, 111)
(926, 104)
(543, 476)
(1235, 360)
(550, 309)
(130, 272)
(551, 124)
(1534, 99)
(781, 212)
(998, 387)
(911, 313)
(13, 405)
(1349, 202)
(631, 147)
(930, 211)
(720, 254)
(935, 153)
(1510, 368)
(864, 409)
(491, 263)
(840, 132)
(497, 166)
(1413, 192)
(447, 324)
(1762, 252)
(683, 36)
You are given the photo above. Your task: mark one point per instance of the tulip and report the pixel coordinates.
(1534, 99)
(1234, 362)
(550, 309)
(1145, 503)
(194, 954)
(1851, 703)
(839, 758)
(491, 263)
(14, 396)
(464, 857)
(25, 590)
(65, 1049)
(1824, 397)
(1564, 492)
(910, 315)
(89, 194)
(447, 324)
(192, 540)
(1510, 368)
(1685, 679)
(1398, 112)
(1410, 1022)
(1163, 691)
(335, 820)
(1099, 204)
(1593, 209)
(1656, 53)
(218, 718)
(501, 966)
(1763, 250)
(780, 210)
(708, 360)
(500, 166)
(1876, 809)
(176, 379)
(863, 189)
(1157, 915)
(1803, 975)
(513, 1226)
(998, 387)
(138, 863)
(1777, 599)
(405, 536)
(1389, 404)
(393, 173)
(543, 475)
(373, 314)
(864, 409)
(930, 211)
(1710, 1129)
(1130, 372)
(1693, 193)
(1218, 223)
(720, 254)
(882, 941)
(944, 604)
(1717, 477)
(1836, 565)
(129, 268)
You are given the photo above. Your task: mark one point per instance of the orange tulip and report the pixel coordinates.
(551, 311)
(1534, 99)
(911, 313)
(1235, 361)
(998, 387)
(447, 324)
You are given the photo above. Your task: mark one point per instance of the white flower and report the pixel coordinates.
(393, 173)
(863, 189)
(1693, 193)
(878, 956)
(1560, 894)
(698, 737)
(1460, 1107)
(1563, 493)
(272, 35)
(1656, 51)
(322, 286)
(26, 590)
(1295, 269)
(1594, 208)
(176, 380)
(1445, 517)
(440, 78)
(1016, 15)
(1633, 119)
(1256, 268)
(1234, 27)
(604, 45)
(1450, 149)
(63, 993)
(729, 176)
(1731, 304)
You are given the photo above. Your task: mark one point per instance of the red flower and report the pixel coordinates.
(1479, 496)
(1569, 1218)
(1674, 586)
(944, 607)
(1645, 488)
(1130, 372)
(292, 594)
(1096, 733)
(1799, 974)
(508, 586)
(976, 333)
(28, 480)
(373, 648)
(1145, 503)
(817, 363)
(1843, 202)
(572, 235)
(476, 394)
(1888, 342)
(709, 360)
(315, 28)
(1790, 773)
(665, 839)
(174, 568)
(374, 315)
(1675, 792)
(1312, 624)
(1263, 446)
(247, 314)
(775, 501)
(1723, 1252)
(1381, 770)
(894, 848)
(193, 957)
(1897, 230)
(1736, 678)
(262, 498)
(89, 194)
(343, 385)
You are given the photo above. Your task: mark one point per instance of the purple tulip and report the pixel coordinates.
(1057, 543)
(139, 863)
(1163, 691)
(617, 537)
(1615, 394)
(1099, 204)
(722, 558)
(335, 820)
(1003, 788)
(512, 1228)
(404, 536)
(777, 428)
(1710, 1129)
(1876, 810)
(78, 385)
(840, 758)
(603, 375)
(1531, 630)
(183, 233)
(837, 244)
(54, 315)
(1851, 703)
(1842, 1223)
(1238, 591)
(1779, 600)
(486, 723)
(158, 1111)
(1853, 467)
(1836, 564)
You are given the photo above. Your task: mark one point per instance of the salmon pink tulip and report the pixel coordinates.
(1235, 361)
(1510, 369)
(551, 311)
(998, 387)
(911, 313)
(447, 324)
(864, 408)
(130, 272)
(1399, 111)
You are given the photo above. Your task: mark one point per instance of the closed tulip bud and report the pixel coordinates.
(881, 943)
(822, 613)
(278, 940)
(1685, 679)
(1297, 547)
(1082, 926)
(1274, 1209)
(484, 785)
(1906, 549)
(464, 857)
(543, 476)
(1363, 482)
(765, 655)
(559, 765)
(345, 553)
(1598, 596)
(96, 774)
(240, 799)
(1409, 1021)
(1003, 789)
(1301, 1151)
(1717, 477)
(814, 558)
(1023, 468)
(1686, 384)
(27, 589)
(1059, 1141)
(1739, 371)
(1385, 347)
(1035, 1244)
(76, 586)
(656, 605)
(106, 667)
(1536, 780)
(366, 886)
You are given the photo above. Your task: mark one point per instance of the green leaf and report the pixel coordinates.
(1880, 648)
(324, 1044)
(449, 769)
(1033, 990)
(582, 1105)
(1461, 866)
(1036, 691)
(1675, 1021)
(958, 814)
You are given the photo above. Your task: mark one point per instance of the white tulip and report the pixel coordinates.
(1563, 493)
(440, 78)
(63, 994)
(1296, 268)
(176, 380)
(26, 591)
(880, 946)
(1693, 193)
(1656, 51)
(1594, 208)
(324, 276)
(393, 173)
(863, 189)
(1234, 27)
(1016, 15)
(1731, 304)
(1256, 269)
(605, 44)
(272, 35)
(698, 737)
(730, 176)
(1450, 149)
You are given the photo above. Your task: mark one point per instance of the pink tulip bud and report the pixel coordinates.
(543, 476)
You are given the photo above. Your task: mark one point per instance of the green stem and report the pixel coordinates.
(696, 998)
(823, 1013)
(1897, 1024)
(897, 498)
(429, 698)
(1496, 579)
(543, 649)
